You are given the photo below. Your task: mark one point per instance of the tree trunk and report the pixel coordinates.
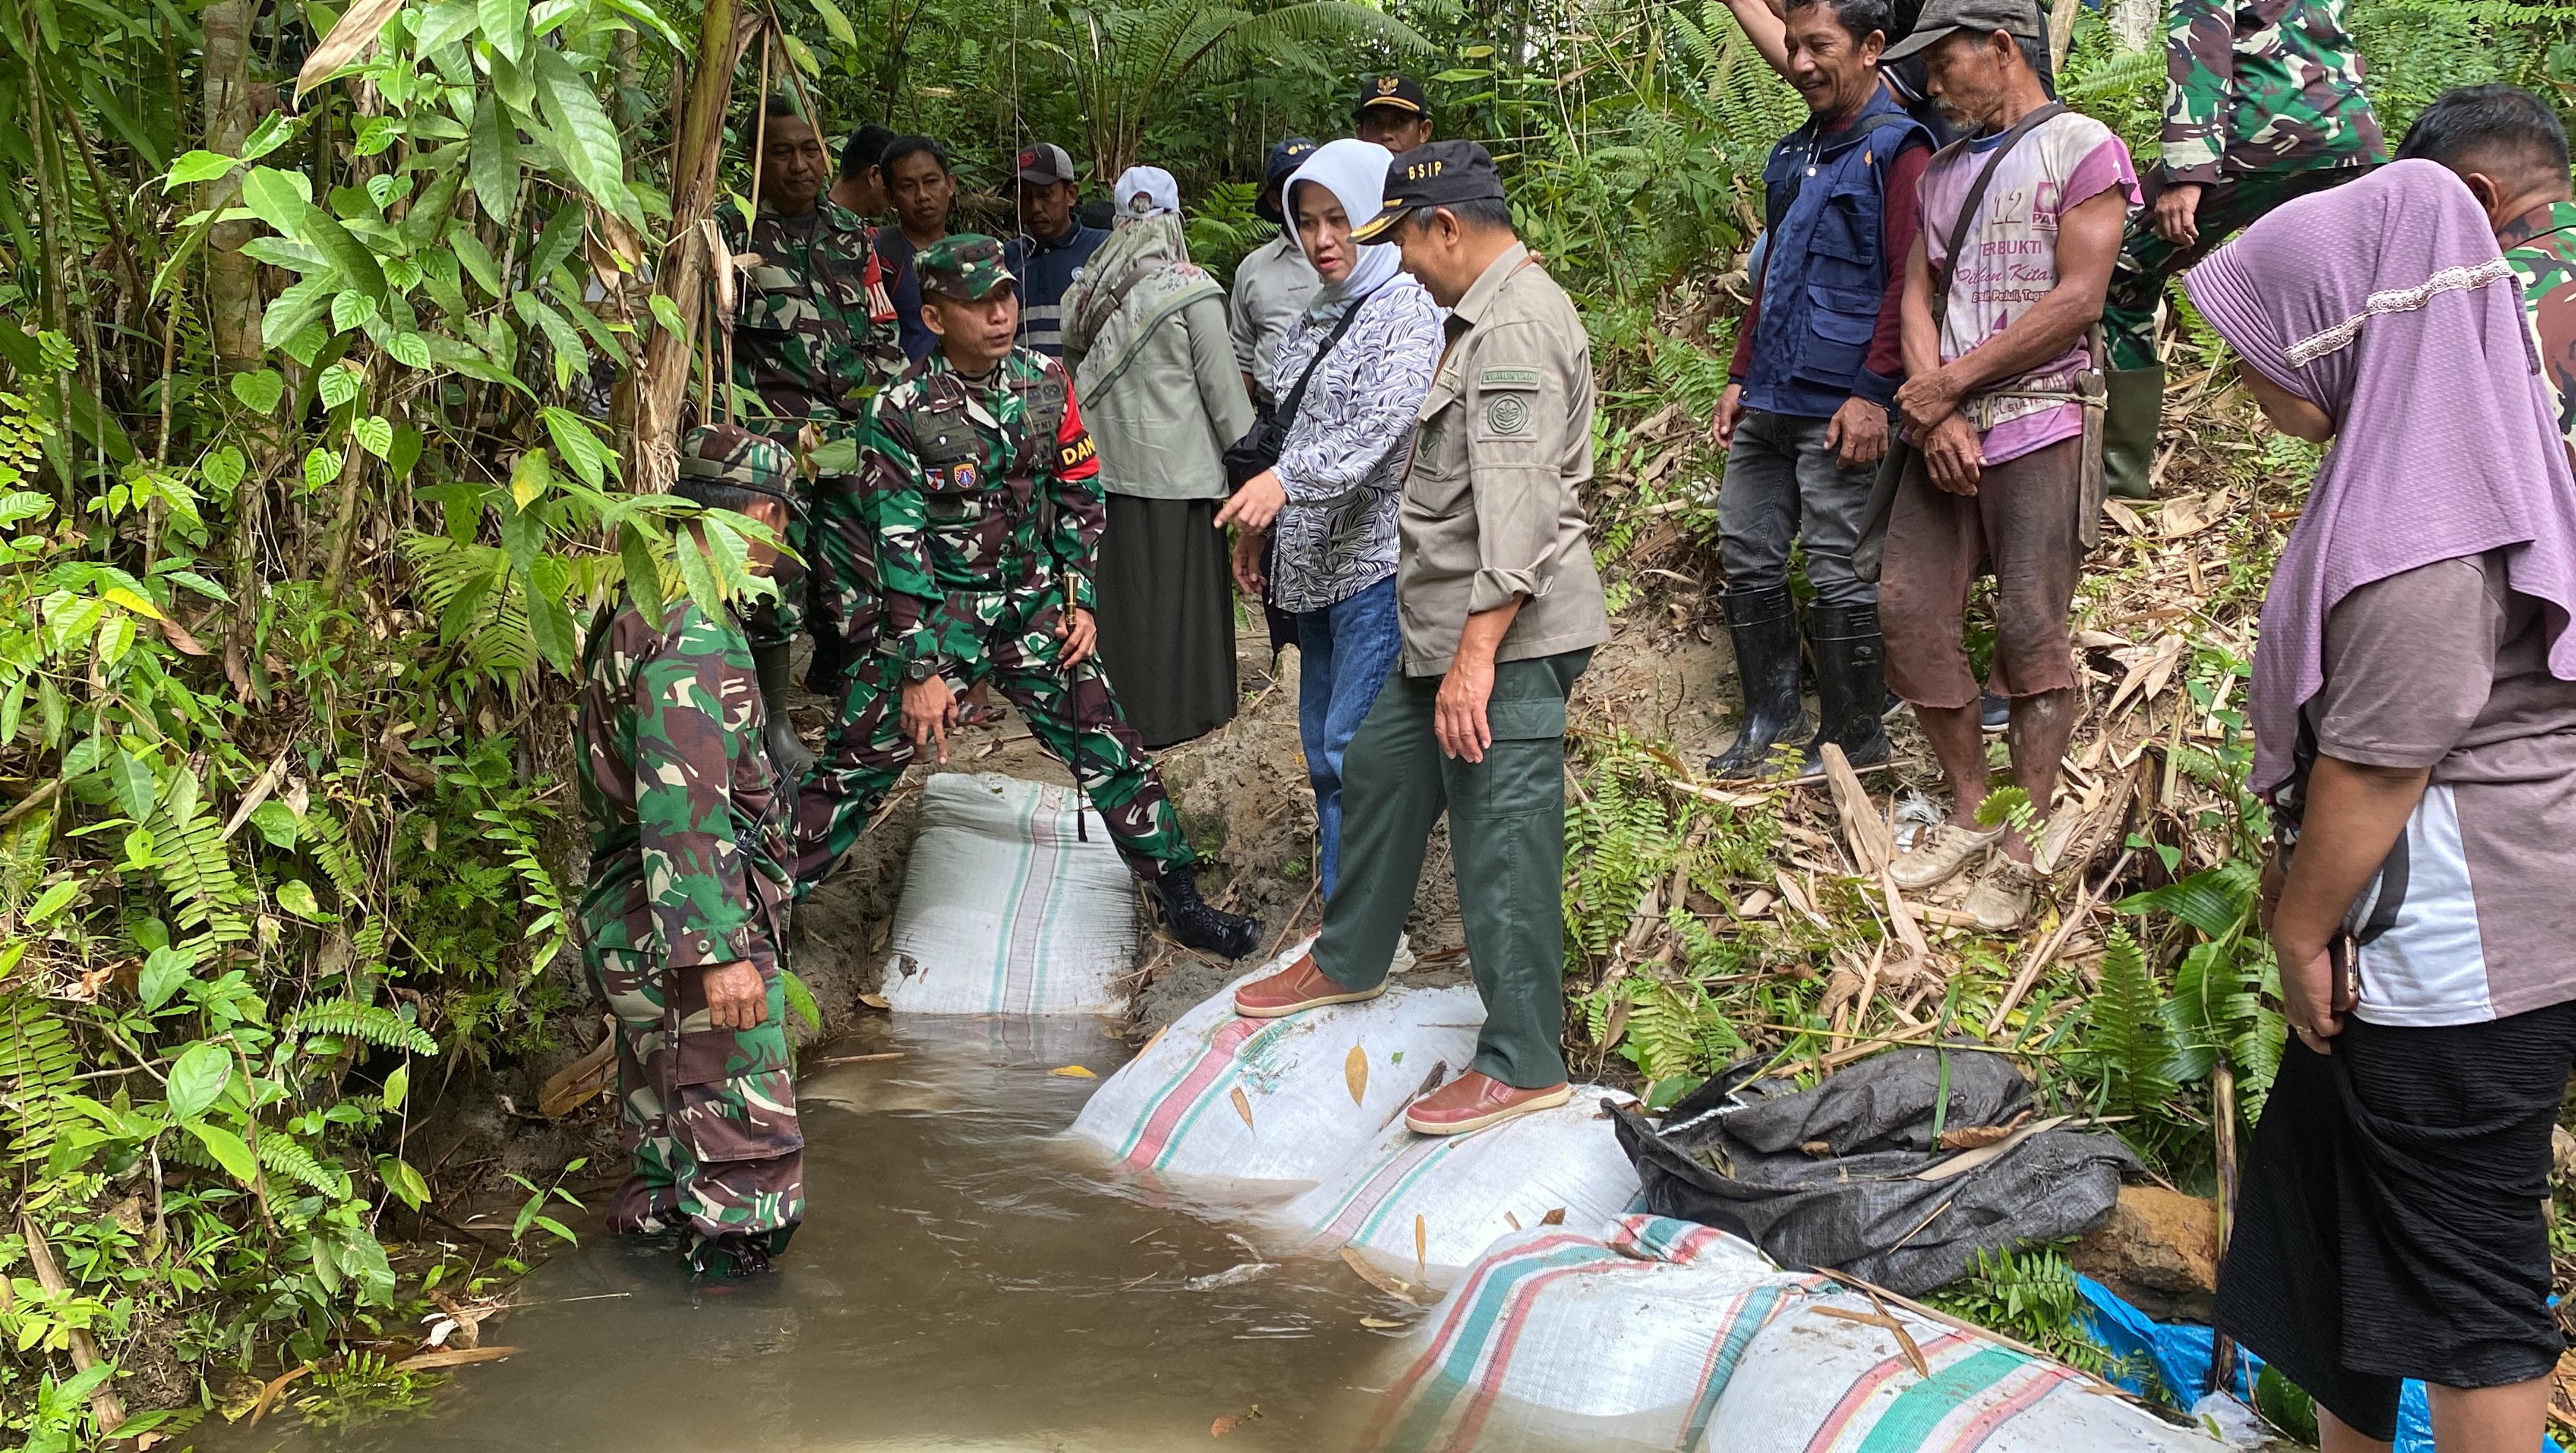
(232, 280)
(661, 381)
(2134, 22)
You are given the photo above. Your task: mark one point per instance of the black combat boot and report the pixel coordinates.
(1195, 924)
(1851, 685)
(1765, 627)
(786, 753)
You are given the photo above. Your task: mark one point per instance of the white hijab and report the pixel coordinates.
(1354, 171)
(1146, 191)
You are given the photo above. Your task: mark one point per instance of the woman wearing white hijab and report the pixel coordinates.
(1331, 501)
(1153, 365)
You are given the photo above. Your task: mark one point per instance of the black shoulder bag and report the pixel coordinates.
(1260, 446)
(1871, 551)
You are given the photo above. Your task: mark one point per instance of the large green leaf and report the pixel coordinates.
(579, 447)
(446, 21)
(198, 1078)
(585, 135)
(477, 258)
(135, 786)
(227, 1149)
(278, 198)
(505, 25)
(2215, 901)
(561, 235)
(493, 156)
(354, 261)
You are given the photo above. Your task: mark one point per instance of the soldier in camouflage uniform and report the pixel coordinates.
(983, 491)
(2509, 147)
(683, 918)
(2263, 102)
(814, 338)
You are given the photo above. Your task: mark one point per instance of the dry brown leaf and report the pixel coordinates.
(578, 1083)
(1511, 1220)
(268, 1392)
(1243, 1106)
(1355, 1073)
(1379, 1323)
(2125, 517)
(1553, 1218)
(178, 637)
(453, 1357)
(1079, 1072)
(875, 1001)
(1394, 1286)
(1232, 1421)
(347, 40)
(1865, 832)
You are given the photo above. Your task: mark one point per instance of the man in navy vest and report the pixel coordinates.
(1805, 417)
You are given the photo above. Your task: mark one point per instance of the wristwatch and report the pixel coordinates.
(920, 671)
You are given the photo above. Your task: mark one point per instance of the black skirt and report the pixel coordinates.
(2393, 1220)
(1166, 617)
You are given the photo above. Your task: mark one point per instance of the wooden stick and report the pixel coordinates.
(863, 1059)
(104, 1404)
(2222, 1105)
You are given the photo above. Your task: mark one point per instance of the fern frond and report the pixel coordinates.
(38, 1061)
(2123, 1031)
(196, 869)
(373, 1023)
(281, 1154)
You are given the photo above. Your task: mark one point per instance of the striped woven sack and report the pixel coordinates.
(1285, 1102)
(1006, 910)
(1832, 1376)
(1438, 1201)
(1627, 1336)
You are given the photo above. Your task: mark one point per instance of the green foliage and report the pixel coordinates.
(2028, 1295)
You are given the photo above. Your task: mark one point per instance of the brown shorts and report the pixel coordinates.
(2021, 524)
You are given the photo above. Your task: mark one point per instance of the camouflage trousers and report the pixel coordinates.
(1074, 717)
(2148, 261)
(710, 1116)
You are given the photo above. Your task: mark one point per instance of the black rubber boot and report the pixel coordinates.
(1195, 924)
(778, 733)
(2130, 414)
(1851, 685)
(1764, 625)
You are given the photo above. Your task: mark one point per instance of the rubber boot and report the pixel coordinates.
(1195, 924)
(1851, 685)
(786, 753)
(2130, 414)
(1764, 625)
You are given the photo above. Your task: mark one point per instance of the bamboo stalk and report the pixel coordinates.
(2222, 1107)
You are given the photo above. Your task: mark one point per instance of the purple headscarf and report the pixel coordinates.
(2385, 303)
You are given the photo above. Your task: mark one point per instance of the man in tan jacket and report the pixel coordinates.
(1500, 610)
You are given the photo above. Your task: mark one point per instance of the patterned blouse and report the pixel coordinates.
(1343, 465)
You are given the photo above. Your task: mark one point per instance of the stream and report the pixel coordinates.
(964, 1280)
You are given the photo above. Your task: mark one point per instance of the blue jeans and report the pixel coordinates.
(1345, 651)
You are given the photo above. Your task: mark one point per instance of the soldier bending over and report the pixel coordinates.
(985, 498)
(683, 918)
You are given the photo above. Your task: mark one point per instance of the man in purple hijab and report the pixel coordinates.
(2414, 709)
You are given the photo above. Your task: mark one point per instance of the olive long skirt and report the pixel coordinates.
(1166, 617)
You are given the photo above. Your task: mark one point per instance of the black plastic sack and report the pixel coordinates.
(1832, 1177)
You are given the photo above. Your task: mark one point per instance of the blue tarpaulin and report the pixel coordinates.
(2179, 1353)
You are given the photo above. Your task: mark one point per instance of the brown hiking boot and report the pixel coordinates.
(1299, 986)
(1473, 1101)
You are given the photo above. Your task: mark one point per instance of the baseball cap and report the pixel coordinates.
(1400, 93)
(967, 267)
(1985, 17)
(1440, 174)
(1285, 158)
(1045, 164)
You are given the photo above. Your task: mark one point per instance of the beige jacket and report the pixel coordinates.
(1491, 506)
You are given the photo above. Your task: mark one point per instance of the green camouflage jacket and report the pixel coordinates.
(689, 844)
(2263, 86)
(977, 492)
(814, 331)
(2540, 245)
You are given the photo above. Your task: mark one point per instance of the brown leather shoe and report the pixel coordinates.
(1473, 1101)
(1299, 986)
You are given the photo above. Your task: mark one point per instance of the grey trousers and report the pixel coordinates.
(1506, 837)
(1782, 482)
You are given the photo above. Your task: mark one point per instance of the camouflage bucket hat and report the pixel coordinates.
(730, 454)
(966, 267)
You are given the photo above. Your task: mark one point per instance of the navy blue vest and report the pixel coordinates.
(1824, 273)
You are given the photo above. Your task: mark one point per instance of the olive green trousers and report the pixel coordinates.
(1506, 839)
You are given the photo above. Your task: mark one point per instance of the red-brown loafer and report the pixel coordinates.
(1299, 986)
(1473, 1101)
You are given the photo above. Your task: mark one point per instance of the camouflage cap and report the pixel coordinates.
(966, 267)
(732, 455)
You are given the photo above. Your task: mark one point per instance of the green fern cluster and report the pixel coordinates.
(1619, 842)
(373, 1023)
(2029, 1295)
(39, 1063)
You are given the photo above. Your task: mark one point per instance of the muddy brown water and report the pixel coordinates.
(966, 1279)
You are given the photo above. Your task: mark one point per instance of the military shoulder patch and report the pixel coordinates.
(1503, 377)
(1507, 413)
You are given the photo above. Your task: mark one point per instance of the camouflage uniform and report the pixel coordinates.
(688, 871)
(2541, 247)
(814, 338)
(985, 499)
(2263, 102)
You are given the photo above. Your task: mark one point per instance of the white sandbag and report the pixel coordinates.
(1816, 1379)
(1463, 1191)
(1621, 1334)
(1282, 1101)
(1006, 909)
